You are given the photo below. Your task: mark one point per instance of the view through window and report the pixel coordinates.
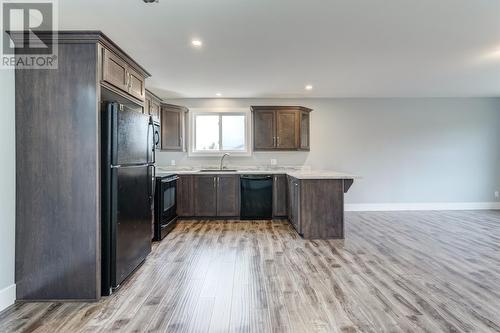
(220, 132)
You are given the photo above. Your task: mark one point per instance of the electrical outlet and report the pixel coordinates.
(172, 162)
(497, 195)
(274, 161)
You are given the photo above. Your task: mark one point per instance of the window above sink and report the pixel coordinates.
(214, 132)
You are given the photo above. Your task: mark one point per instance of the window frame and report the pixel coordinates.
(220, 112)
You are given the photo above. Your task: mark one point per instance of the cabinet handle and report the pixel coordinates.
(215, 184)
(278, 141)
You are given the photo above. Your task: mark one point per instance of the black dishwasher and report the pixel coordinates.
(256, 197)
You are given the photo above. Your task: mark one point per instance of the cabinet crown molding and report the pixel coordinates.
(77, 37)
(174, 107)
(152, 94)
(279, 107)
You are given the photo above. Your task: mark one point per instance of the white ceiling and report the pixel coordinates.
(273, 48)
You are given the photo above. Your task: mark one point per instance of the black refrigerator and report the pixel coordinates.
(128, 172)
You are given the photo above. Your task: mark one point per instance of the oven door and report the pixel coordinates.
(166, 207)
(169, 194)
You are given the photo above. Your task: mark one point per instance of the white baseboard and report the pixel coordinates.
(7, 296)
(422, 206)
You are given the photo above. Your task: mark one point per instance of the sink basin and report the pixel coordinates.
(217, 170)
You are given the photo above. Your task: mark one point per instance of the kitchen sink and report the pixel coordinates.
(218, 170)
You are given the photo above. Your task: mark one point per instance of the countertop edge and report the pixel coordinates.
(292, 173)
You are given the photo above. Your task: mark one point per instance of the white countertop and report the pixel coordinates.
(320, 174)
(299, 174)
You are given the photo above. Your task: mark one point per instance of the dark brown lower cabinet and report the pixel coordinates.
(280, 196)
(185, 202)
(294, 203)
(316, 207)
(205, 195)
(228, 195)
(216, 195)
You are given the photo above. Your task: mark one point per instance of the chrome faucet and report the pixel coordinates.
(222, 160)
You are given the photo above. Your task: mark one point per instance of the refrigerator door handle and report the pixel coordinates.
(129, 166)
(151, 127)
(153, 187)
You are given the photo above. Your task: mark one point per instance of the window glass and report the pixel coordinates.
(219, 132)
(207, 132)
(233, 132)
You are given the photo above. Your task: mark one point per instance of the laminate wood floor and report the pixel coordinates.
(394, 272)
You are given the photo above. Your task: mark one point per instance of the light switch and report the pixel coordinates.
(274, 161)
(172, 162)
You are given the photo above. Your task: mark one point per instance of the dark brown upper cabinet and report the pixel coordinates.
(305, 134)
(122, 75)
(281, 128)
(115, 70)
(263, 129)
(155, 109)
(173, 123)
(152, 105)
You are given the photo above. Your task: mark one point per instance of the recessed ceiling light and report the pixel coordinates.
(218, 94)
(309, 87)
(496, 53)
(196, 43)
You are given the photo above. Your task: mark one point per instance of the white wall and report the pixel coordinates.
(8, 188)
(434, 150)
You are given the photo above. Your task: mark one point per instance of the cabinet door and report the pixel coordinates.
(290, 199)
(136, 86)
(287, 128)
(304, 130)
(171, 130)
(294, 203)
(264, 130)
(155, 110)
(147, 105)
(280, 195)
(185, 202)
(205, 195)
(115, 70)
(228, 195)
